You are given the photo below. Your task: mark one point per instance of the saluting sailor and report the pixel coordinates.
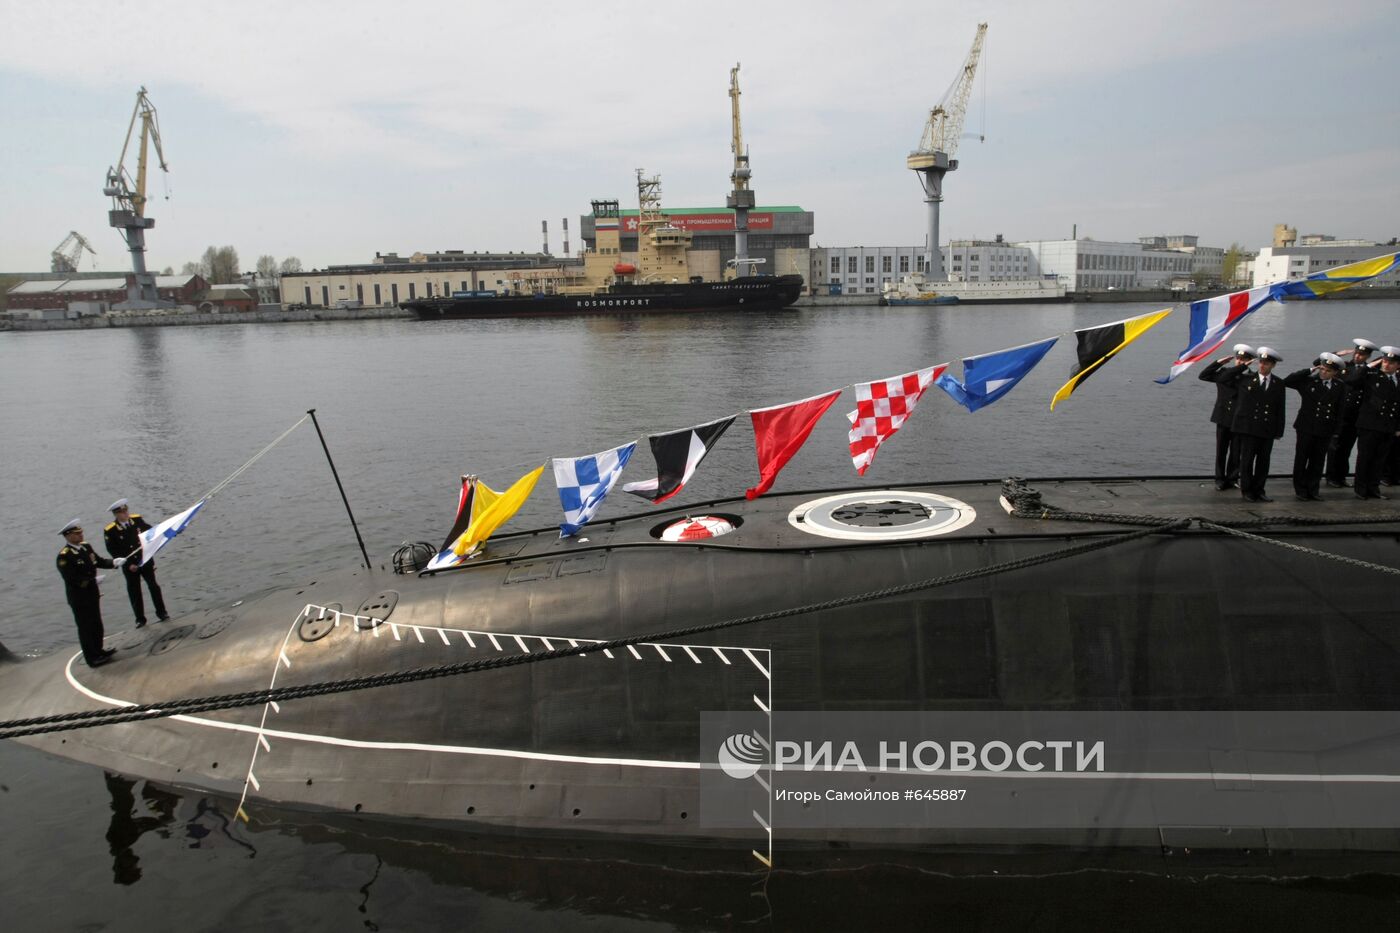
(1339, 452)
(1258, 420)
(1323, 394)
(123, 538)
(1378, 420)
(77, 564)
(1227, 445)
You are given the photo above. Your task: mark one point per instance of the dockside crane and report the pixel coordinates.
(128, 194)
(69, 253)
(934, 157)
(741, 199)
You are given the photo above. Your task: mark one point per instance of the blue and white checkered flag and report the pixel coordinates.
(585, 481)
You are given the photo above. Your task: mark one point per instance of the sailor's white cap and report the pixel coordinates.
(1361, 343)
(1269, 353)
(119, 504)
(70, 525)
(1390, 353)
(1243, 349)
(1331, 359)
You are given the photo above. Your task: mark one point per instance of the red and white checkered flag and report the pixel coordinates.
(881, 409)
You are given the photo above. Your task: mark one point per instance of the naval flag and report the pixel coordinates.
(1213, 320)
(1098, 345)
(678, 455)
(988, 377)
(585, 481)
(1334, 280)
(153, 539)
(781, 431)
(489, 511)
(881, 409)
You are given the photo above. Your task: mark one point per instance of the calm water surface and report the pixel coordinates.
(162, 415)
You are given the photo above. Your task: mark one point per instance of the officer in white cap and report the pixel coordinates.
(1227, 445)
(77, 564)
(123, 539)
(1258, 420)
(1322, 394)
(1378, 420)
(1339, 449)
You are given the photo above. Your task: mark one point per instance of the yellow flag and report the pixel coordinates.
(491, 510)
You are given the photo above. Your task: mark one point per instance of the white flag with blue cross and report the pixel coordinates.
(585, 481)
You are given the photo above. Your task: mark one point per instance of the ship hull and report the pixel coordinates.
(609, 743)
(755, 293)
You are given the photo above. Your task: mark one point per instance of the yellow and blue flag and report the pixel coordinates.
(1334, 280)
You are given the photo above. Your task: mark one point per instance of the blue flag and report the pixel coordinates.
(585, 481)
(988, 377)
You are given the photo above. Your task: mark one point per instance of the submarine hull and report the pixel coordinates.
(608, 742)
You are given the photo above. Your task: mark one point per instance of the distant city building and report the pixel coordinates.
(51, 298)
(1276, 264)
(1091, 265)
(390, 279)
(865, 270)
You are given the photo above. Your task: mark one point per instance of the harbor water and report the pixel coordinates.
(163, 415)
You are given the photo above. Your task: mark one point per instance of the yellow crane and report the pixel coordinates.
(934, 157)
(128, 194)
(741, 199)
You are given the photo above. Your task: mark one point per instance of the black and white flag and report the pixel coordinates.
(677, 455)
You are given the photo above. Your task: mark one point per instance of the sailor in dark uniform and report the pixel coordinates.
(1227, 445)
(123, 538)
(77, 564)
(1322, 393)
(1378, 421)
(1339, 451)
(1258, 420)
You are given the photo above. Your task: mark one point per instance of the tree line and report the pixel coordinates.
(220, 266)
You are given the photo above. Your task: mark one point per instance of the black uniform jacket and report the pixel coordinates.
(1223, 413)
(1321, 413)
(124, 542)
(1380, 400)
(1258, 413)
(77, 564)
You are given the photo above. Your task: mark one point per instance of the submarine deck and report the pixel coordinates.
(1080, 507)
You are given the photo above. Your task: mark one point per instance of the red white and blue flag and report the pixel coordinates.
(881, 410)
(1213, 320)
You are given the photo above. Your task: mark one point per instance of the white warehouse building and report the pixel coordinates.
(1088, 265)
(865, 270)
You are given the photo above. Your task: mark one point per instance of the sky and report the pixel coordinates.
(333, 131)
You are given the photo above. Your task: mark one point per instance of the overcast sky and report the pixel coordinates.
(330, 131)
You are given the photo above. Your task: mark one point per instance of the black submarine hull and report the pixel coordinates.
(607, 743)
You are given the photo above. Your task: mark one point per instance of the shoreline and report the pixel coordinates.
(331, 315)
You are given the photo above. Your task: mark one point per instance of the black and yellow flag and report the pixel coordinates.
(1098, 345)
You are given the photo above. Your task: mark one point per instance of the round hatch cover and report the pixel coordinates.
(882, 515)
(698, 528)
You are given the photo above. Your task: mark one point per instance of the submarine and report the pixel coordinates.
(558, 687)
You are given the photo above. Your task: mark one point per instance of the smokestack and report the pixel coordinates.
(566, 238)
(1074, 232)
(544, 228)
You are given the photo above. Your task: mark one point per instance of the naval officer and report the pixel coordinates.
(1322, 394)
(77, 564)
(1227, 445)
(1339, 452)
(123, 539)
(1378, 420)
(1258, 419)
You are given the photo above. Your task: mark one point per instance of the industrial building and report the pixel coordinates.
(1087, 265)
(58, 298)
(866, 270)
(390, 279)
